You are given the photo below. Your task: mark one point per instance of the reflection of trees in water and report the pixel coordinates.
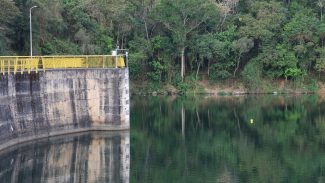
(100, 157)
(284, 142)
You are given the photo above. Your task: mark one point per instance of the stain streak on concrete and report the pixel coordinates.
(56, 102)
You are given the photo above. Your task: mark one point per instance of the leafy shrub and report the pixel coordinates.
(252, 74)
(183, 87)
(312, 85)
(135, 66)
(293, 73)
(157, 71)
(176, 79)
(60, 47)
(219, 71)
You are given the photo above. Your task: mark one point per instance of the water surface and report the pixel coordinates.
(228, 139)
(184, 140)
(79, 158)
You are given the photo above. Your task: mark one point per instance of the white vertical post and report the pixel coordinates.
(127, 59)
(31, 30)
(114, 53)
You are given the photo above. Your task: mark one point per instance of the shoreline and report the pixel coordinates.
(20, 141)
(237, 89)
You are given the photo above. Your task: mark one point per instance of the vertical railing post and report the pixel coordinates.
(87, 62)
(15, 66)
(9, 67)
(127, 59)
(103, 61)
(64, 63)
(75, 63)
(53, 63)
(30, 65)
(22, 66)
(2, 66)
(116, 61)
(44, 64)
(36, 65)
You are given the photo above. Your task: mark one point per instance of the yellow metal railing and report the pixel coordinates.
(12, 64)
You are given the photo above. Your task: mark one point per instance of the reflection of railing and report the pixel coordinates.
(15, 65)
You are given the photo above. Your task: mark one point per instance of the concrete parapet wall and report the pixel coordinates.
(58, 102)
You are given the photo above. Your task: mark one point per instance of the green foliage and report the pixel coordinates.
(8, 13)
(183, 88)
(135, 66)
(104, 42)
(252, 75)
(157, 70)
(301, 28)
(176, 80)
(219, 71)
(321, 31)
(293, 73)
(219, 38)
(264, 20)
(243, 45)
(320, 65)
(278, 61)
(320, 61)
(60, 47)
(312, 85)
(218, 50)
(183, 17)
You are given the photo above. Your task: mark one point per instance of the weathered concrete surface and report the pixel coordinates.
(58, 102)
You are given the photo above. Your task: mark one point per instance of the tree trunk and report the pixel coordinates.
(122, 44)
(198, 117)
(286, 1)
(183, 121)
(198, 70)
(183, 63)
(321, 14)
(238, 122)
(237, 67)
(223, 21)
(146, 28)
(208, 68)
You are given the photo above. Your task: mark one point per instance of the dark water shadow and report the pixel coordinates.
(80, 158)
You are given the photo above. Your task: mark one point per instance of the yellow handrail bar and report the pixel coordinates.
(22, 64)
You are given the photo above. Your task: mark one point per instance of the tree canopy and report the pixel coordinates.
(172, 39)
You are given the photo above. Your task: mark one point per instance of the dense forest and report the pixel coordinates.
(173, 40)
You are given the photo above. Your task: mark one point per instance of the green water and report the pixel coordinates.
(186, 140)
(228, 139)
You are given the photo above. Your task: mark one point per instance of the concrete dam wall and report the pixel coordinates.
(59, 102)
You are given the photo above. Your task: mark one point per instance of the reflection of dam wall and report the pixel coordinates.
(73, 159)
(57, 102)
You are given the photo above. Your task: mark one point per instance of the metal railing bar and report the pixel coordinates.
(27, 64)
